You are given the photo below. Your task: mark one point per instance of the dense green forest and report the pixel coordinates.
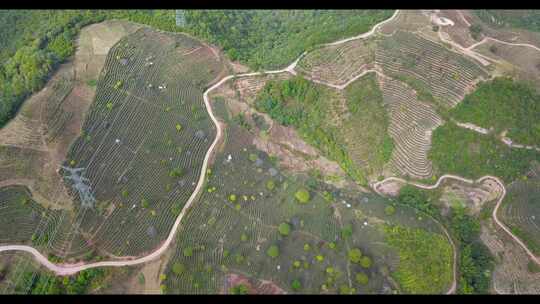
(271, 39)
(469, 154)
(503, 104)
(525, 19)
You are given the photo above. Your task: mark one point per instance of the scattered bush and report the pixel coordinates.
(362, 278)
(178, 268)
(273, 251)
(284, 229)
(270, 185)
(390, 210)
(355, 255)
(365, 262)
(302, 196)
(188, 251)
(239, 289)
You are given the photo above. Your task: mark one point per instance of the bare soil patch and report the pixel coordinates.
(254, 286)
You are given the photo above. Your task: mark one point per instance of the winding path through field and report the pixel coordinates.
(69, 269)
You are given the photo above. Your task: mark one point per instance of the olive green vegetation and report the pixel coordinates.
(475, 261)
(425, 259)
(362, 278)
(469, 154)
(178, 268)
(525, 19)
(239, 289)
(272, 39)
(45, 283)
(503, 104)
(300, 103)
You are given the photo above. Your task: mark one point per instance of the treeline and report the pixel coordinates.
(271, 39)
(35, 42)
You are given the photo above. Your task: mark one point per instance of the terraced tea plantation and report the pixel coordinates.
(437, 74)
(411, 124)
(139, 155)
(338, 64)
(143, 142)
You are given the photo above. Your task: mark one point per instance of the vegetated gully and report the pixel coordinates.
(69, 269)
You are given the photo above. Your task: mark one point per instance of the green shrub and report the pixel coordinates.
(284, 229)
(178, 268)
(365, 262)
(270, 185)
(355, 255)
(273, 251)
(239, 289)
(144, 203)
(295, 285)
(188, 251)
(390, 210)
(302, 196)
(362, 278)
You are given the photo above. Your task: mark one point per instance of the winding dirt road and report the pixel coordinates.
(69, 269)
